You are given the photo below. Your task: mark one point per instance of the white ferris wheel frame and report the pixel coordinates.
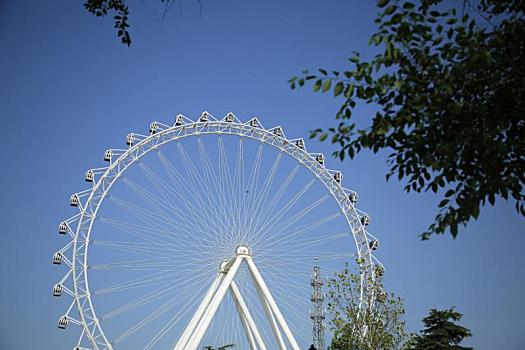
(75, 254)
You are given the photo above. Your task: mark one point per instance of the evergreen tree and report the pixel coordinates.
(441, 332)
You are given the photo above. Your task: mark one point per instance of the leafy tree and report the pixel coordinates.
(440, 333)
(357, 323)
(449, 87)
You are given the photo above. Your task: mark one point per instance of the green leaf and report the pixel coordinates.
(382, 3)
(492, 199)
(338, 89)
(326, 85)
(443, 203)
(317, 85)
(323, 137)
(390, 9)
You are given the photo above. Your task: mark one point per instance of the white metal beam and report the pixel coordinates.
(245, 313)
(190, 328)
(271, 319)
(271, 302)
(205, 321)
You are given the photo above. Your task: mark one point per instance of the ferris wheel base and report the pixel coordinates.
(224, 282)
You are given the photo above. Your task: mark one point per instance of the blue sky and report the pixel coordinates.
(69, 90)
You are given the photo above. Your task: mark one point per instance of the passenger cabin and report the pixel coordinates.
(365, 220)
(130, 139)
(320, 158)
(353, 197)
(373, 245)
(278, 131)
(62, 228)
(179, 120)
(89, 176)
(299, 143)
(229, 118)
(57, 258)
(74, 200)
(57, 290)
(107, 155)
(338, 177)
(62, 322)
(153, 127)
(204, 117)
(254, 123)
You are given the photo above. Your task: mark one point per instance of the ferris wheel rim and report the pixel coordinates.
(193, 129)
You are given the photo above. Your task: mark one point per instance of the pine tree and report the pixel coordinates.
(441, 332)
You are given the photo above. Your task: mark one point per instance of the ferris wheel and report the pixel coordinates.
(204, 233)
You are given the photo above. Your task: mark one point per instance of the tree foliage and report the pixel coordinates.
(120, 11)
(440, 333)
(449, 87)
(101, 8)
(359, 323)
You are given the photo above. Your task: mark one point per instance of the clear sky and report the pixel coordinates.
(69, 90)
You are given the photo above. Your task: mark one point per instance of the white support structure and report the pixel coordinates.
(259, 282)
(271, 319)
(205, 321)
(200, 311)
(256, 341)
(199, 323)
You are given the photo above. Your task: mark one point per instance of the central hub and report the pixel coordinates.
(242, 250)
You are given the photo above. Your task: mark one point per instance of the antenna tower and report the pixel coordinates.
(317, 313)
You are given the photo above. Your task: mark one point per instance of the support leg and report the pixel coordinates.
(244, 312)
(190, 328)
(271, 302)
(271, 319)
(205, 321)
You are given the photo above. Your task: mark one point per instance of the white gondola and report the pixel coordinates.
(179, 120)
(57, 290)
(299, 143)
(338, 177)
(107, 155)
(254, 123)
(353, 197)
(278, 131)
(365, 220)
(63, 227)
(153, 127)
(130, 139)
(90, 175)
(62, 322)
(229, 118)
(74, 200)
(374, 244)
(320, 158)
(57, 258)
(204, 117)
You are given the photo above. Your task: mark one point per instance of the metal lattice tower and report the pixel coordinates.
(317, 313)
